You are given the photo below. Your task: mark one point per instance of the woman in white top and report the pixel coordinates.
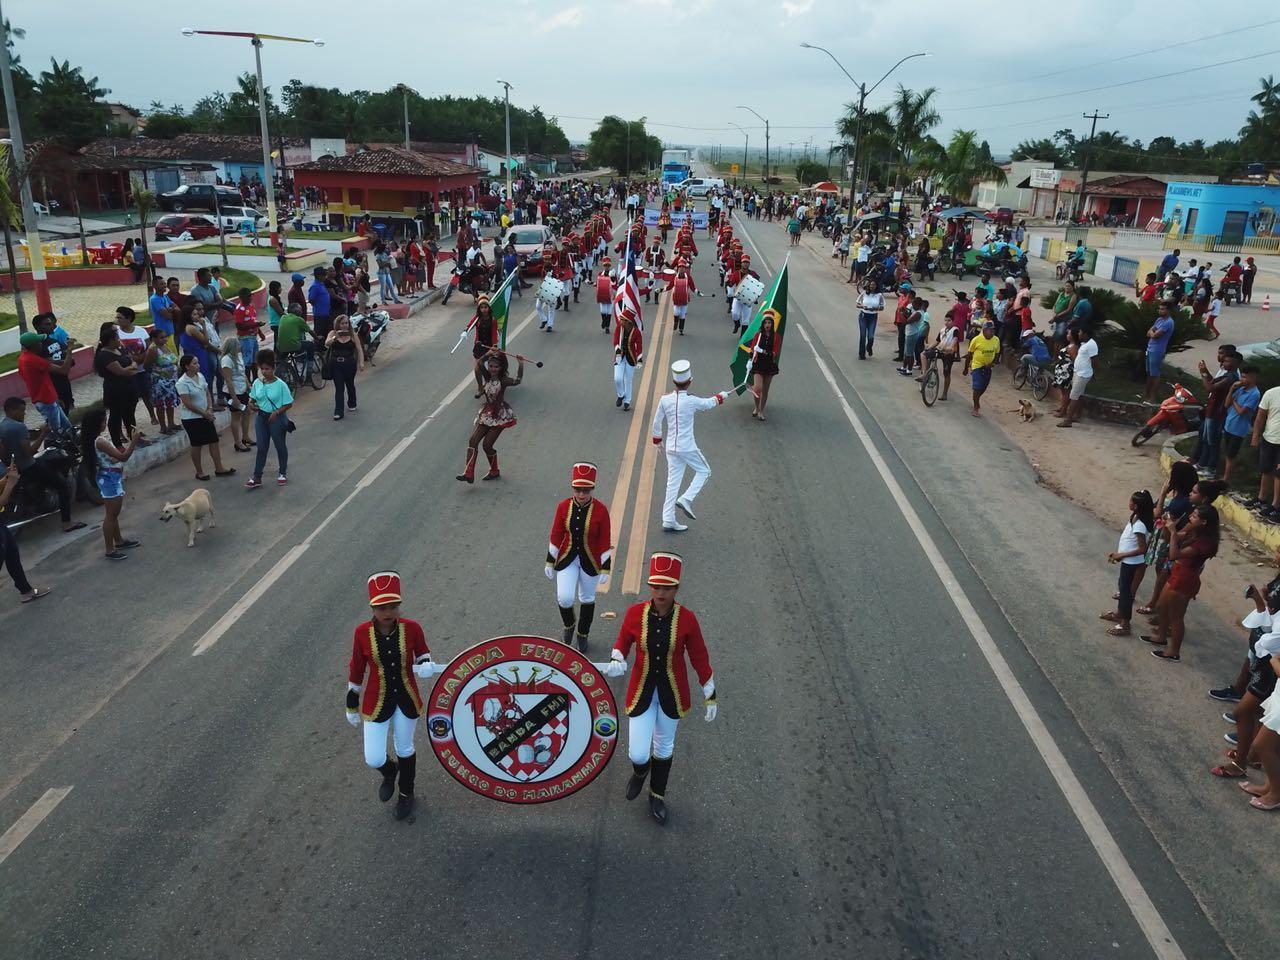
(870, 306)
(948, 342)
(237, 380)
(197, 417)
(1131, 555)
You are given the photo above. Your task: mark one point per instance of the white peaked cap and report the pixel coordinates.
(682, 371)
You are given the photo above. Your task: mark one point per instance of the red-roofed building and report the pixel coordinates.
(389, 182)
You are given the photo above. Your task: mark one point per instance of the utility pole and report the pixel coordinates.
(1088, 150)
(404, 94)
(35, 255)
(506, 100)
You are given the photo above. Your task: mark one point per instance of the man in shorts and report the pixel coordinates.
(1266, 438)
(983, 350)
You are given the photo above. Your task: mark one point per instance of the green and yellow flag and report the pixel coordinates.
(500, 303)
(775, 299)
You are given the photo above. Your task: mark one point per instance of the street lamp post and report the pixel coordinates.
(268, 175)
(35, 255)
(404, 94)
(745, 144)
(766, 146)
(506, 98)
(10, 169)
(863, 91)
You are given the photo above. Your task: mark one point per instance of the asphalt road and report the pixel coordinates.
(868, 786)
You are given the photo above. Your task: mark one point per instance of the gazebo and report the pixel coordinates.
(390, 184)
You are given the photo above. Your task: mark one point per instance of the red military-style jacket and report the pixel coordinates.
(683, 287)
(670, 675)
(633, 348)
(656, 258)
(595, 549)
(389, 666)
(776, 351)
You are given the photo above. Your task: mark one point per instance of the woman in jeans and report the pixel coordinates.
(346, 356)
(870, 306)
(119, 383)
(9, 546)
(270, 400)
(1131, 554)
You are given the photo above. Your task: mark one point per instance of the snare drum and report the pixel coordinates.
(551, 289)
(749, 291)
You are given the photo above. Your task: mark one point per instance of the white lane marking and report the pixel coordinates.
(281, 566)
(1139, 902)
(26, 823)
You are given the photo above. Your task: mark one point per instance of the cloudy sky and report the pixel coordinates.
(687, 64)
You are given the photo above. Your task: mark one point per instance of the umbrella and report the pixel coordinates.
(826, 186)
(966, 213)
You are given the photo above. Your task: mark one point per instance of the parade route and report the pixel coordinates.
(892, 773)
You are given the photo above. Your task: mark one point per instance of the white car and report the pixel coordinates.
(701, 186)
(233, 217)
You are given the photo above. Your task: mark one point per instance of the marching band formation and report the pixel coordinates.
(662, 638)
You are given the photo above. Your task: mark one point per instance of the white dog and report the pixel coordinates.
(192, 512)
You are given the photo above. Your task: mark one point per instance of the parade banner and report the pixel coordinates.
(677, 219)
(775, 299)
(500, 303)
(522, 720)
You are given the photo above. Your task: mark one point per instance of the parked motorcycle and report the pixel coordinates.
(1180, 413)
(34, 501)
(472, 281)
(370, 327)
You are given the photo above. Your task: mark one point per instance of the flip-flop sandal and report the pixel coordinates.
(1110, 615)
(1146, 638)
(1115, 596)
(37, 594)
(202, 476)
(224, 473)
(1228, 771)
(1248, 786)
(78, 525)
(1161, 655)
(1257, 804)
(1118, 631)
(1145, 611)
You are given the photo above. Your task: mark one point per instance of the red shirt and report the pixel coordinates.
(1027, 323)
(246, 319)
(34, 370)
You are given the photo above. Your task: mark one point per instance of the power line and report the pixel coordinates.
(1163, 48)
(1208, 98)
(1122, 83)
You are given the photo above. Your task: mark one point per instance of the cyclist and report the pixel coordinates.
(294, 336)
(1037, 352)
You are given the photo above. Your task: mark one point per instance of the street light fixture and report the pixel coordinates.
(766, 146)
(746, 143)
(506, 100)
(269, 180)
(863, 91)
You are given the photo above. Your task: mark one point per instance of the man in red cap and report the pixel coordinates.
(580, 552)
(665, 636)
(628, 353)
(604, 293)
(388, 655)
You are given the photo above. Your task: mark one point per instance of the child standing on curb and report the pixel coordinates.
(1242, 405)
(1130, 554)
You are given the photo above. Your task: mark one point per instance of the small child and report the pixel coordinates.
(1211, 317)
(1242, 405)
(843, 248)
(1148, 293)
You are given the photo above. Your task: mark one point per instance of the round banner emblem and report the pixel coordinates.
(522, 720)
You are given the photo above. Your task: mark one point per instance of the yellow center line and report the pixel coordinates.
(640, 416)
(636, 565)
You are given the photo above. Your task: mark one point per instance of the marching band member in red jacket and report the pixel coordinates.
(388, 655)
(604, 293)
(628, 353)
(741, 312)
(664, 635)
(580, 552)
(655, 259)
(682, 288)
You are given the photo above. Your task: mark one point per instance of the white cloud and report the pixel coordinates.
(796, 8)
(568, 17)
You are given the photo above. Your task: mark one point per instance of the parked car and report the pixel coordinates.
(185, 226)
(529, 239)
(234, 216)
(198, 196)
(1003, 216)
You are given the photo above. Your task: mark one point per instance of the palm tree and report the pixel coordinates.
(146, 202)
(960, 165)
(913, 117)
(1269, 95)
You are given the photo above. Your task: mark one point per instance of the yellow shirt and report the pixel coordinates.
(982, 351)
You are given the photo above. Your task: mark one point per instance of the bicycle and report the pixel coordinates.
(1040, 377)
(301, 367)
(929, 382)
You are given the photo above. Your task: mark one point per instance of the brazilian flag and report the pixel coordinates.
(775, 299)
(500, 303)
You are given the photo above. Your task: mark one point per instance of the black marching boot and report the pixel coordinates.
(388, 785)
(404, 803)
(566, 615)
(586, 613)
(658, 787)
(636, 783)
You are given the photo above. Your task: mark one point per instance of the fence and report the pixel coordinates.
(1137, 240)
(1076, 234)
(1124, 270)
(1210, 243)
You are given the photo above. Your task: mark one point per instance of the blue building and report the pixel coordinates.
(1229, 211)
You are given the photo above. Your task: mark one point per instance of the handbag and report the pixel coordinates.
(326, 368)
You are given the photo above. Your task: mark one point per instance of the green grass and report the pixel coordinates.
(301, 236)
(8, 320)
(1117, 383)
(233, 250)
(9, 362)
(239, 278)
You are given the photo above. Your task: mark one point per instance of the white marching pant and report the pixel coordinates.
(546, 313)
(681, 312)
(623, 376)
(573, 579)
(652, 734)
(606, 309)
(375, 738)
(677, 463)
(739, 312)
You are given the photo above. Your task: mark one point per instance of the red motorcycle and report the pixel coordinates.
(1181, 413)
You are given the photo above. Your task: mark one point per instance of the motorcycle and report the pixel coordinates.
(1181, 413)
(34, 501)
(370, 328)
(473, 281)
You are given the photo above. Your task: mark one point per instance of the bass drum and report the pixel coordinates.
(550, 289)
(750, 290)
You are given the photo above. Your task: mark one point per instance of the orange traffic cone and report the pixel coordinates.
(1266, 302)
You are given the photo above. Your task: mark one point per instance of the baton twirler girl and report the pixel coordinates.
(388, 656)
(664, 635)
(579, 552)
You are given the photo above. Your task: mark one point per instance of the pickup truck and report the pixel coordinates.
(199, 196)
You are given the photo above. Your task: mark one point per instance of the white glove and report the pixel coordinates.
(603, 581)
(711, 712)
(353, 718)
(425, 669)
(616, 668)
(725, 394)
(550, 570)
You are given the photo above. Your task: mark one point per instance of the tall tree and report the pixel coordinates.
(70, 105)
(958, 167)
(913, 117)
(623, 145)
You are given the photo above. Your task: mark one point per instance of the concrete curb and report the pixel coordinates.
(165, 449)
(1261, 533)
